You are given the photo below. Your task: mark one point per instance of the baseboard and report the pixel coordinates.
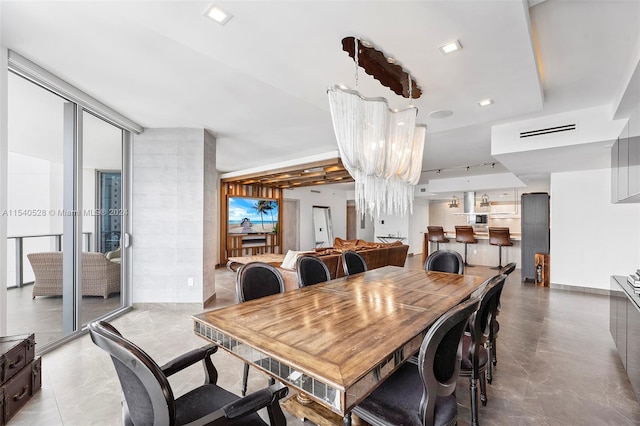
(581, 289)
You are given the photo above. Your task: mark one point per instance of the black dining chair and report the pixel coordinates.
(495, 325)
(423, 393)
(353, 263)
(311, 270)
(253, 281)
(445, 261)
(149, 400)
(474, 354)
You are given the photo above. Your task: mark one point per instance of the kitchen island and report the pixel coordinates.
(481, 253)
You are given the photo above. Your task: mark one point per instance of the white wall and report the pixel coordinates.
(368, 232)
(334, 198)
(392, 225)
(591, 238)
(167, 214)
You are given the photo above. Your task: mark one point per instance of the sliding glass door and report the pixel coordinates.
(67, 214)
(102, 217)
(35, 210)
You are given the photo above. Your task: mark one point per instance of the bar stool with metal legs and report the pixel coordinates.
(465, 235)
(436, 235)
(499, 236)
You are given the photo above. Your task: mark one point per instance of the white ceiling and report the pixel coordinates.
(259, 82)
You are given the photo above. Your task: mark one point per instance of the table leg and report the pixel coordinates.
(346, 420)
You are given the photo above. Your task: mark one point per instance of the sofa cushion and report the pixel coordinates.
(340, 244)
(289, 261)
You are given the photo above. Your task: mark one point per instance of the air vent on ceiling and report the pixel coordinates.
(315, 191)
(548, 130)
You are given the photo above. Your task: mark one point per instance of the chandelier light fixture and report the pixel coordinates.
(381, 148)
(453, 202)
(484, 201)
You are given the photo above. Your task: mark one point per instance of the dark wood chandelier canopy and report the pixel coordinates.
(376, 64)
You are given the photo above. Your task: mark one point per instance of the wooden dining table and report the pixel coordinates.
(335, 342)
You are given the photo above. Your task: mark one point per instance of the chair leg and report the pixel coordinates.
(468, 265)
(483, 388)
(499, 259)
(489, 363)
(245, 377)
(473, 389)
(494, 353)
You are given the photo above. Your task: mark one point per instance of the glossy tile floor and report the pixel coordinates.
(557, 364)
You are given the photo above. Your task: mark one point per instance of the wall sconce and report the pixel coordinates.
(453, 202)
(484, 201)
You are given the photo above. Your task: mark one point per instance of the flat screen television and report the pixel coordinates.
(251, 215)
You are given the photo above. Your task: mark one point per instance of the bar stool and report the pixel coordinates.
(465, 235)
(499, 236)
(436, 235)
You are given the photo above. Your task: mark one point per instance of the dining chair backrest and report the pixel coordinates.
(441, 352)
(257, 279)
(508, 268)
(149, 400)
(487, 309)
(146, 389)
(311, 270)
(422, 392)
(445, 261)
(353, 263)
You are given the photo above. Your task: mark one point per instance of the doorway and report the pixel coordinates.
(352, 221)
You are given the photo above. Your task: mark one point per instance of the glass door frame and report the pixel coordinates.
(79, 102)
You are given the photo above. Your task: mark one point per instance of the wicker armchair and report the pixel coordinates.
(100, 277)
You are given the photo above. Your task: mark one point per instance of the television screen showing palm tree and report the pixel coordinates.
(252, 215)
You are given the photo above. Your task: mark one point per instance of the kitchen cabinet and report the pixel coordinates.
(624, 324)
(625, 168)
(535, 231)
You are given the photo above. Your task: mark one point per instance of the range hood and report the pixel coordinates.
(469, 206)
(469, 202)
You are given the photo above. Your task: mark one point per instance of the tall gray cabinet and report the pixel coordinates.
(535, 230)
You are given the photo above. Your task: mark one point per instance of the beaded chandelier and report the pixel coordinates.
(381, 148)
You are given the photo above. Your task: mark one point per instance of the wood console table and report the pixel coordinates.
(336, 341)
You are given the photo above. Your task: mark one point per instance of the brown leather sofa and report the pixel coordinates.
(375, 255)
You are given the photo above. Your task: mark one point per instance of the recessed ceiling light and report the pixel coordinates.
(485, 102)
(440, 113)
(450, 47)
(217, 14)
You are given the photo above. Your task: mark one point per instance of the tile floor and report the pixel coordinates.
(557, 364)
